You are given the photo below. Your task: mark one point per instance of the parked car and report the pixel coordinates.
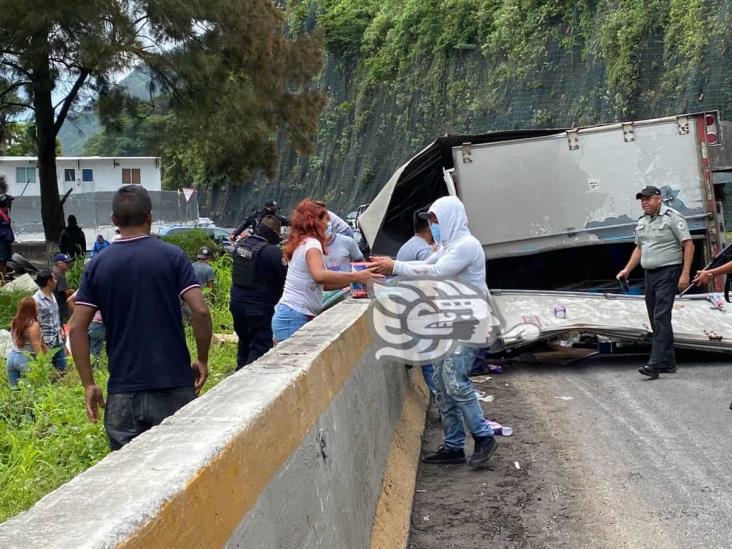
(217, 233)
(351, 219)
(353, 216)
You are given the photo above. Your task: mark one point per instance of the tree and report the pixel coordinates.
(230, 76)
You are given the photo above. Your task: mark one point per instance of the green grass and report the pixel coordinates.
(45, 436)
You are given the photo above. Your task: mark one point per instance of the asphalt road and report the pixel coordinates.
(600, 457)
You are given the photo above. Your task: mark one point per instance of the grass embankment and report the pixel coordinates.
(45, 436)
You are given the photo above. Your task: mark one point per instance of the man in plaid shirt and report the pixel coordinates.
(49, 319)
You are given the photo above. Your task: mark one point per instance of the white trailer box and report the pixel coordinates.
(544, 201)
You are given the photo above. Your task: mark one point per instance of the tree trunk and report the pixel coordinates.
(52, 212)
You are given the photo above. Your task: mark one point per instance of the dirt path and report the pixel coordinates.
(596, 453)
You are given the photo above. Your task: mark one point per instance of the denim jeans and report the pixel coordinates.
(59, 357)
(17, 365)
(428, 372)
(286, 321)
(97, 332)
(457, 398)
(128, 415)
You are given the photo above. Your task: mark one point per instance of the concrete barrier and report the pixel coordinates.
(314, 445)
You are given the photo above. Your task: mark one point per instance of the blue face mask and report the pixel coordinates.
(435, 230)
(329, 230)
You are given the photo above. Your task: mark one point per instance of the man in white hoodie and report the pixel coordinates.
(459, 257)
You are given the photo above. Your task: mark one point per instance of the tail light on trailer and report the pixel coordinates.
(712, 128)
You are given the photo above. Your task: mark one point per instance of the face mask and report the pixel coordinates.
(329, 230)
(435, 230)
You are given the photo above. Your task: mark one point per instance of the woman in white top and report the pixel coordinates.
(307, 275)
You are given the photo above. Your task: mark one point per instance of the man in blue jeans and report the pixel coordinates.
(136, 285)
(49, 318)
(461, 257)
(419, 248)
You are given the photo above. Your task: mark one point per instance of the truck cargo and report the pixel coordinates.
(555, 208)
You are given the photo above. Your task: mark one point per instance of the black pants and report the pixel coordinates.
(661, 286)
(128, 415)
(253, 327)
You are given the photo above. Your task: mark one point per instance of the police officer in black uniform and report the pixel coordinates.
(257, 283)
(270, 208)
(665, 250)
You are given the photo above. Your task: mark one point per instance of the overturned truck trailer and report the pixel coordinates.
(555, 209)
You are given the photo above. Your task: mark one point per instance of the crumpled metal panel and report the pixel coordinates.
(578, 197)
(699, 321)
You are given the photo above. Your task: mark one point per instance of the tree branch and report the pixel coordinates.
(6, 104)
(15, 66)
(69, 101)
(12, 87)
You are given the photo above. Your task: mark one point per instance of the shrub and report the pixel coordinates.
(192, 241)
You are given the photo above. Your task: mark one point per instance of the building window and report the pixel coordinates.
(69, 175)
(25, 175)
(130, 176)
(87, 175)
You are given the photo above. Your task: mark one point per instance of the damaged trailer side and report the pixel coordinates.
(555, 208)
(526, 317)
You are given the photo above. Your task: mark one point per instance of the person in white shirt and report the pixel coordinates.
(341, 252)
(307, 275)
(421, 245)
(460, 257)
(339, 225)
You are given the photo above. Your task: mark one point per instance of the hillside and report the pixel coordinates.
(84, 124)
(399, 73)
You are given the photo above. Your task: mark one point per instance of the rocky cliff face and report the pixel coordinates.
(400, 73)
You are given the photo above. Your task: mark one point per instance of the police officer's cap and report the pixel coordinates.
(648, 190)
(271, 204)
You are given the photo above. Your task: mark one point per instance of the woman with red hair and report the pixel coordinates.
(26, 335)
(307, 276)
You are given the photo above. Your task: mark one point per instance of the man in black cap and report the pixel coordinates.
(664, 249)
(270, 208)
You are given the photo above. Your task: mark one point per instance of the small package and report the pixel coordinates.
(360, 290)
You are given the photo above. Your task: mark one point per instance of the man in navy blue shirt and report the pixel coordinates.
(257, 282)
(136, 285)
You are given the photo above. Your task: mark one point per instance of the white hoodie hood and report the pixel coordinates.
(451, 218)
(460, 255)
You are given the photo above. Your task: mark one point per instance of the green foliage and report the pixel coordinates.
(45, 436)
(344, 23)
(224, 81)
(410, 45)
(9, 306)
(73, 275)
(192, 241)
(221, 316)
(131, 136)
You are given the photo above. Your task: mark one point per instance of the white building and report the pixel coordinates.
(83, 174)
